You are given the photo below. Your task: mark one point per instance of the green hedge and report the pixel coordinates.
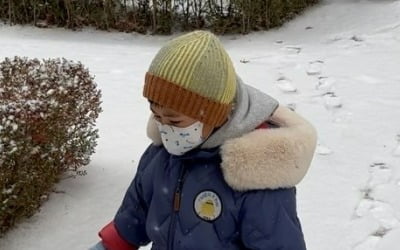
(47, 115)
(156, 16)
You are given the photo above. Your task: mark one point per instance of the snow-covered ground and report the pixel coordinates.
(338, 65)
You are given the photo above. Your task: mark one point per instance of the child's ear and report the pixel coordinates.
(152, 131)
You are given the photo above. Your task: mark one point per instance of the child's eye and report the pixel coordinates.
(175, 122)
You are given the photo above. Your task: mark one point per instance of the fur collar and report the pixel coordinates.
(265, 158)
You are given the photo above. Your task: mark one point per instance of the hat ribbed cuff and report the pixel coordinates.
(184, 101)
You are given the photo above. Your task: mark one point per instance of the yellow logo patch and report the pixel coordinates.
(207, 205)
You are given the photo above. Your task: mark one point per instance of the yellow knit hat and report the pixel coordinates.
(193, 75)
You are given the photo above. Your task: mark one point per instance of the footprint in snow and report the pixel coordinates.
(382, 212)
(331, 101)
(334, 39)
(325, 85)
(314, 68)
(292, 49)
(369, 243)
(385, 215)
(285, 85)
(357, 38)
(380, 173)
(365, 205)
(244, 60)
(381, 232)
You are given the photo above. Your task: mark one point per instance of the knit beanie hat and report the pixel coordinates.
(193, 75)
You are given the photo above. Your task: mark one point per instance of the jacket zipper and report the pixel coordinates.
(176, 207)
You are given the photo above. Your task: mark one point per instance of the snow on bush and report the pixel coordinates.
(47, 126)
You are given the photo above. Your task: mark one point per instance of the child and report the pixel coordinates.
(225, 158)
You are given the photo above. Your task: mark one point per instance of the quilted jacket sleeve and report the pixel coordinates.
(130, 220)
(269, 221)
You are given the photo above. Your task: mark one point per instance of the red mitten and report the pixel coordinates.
(111, 239)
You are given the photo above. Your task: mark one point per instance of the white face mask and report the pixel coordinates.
(178, 141)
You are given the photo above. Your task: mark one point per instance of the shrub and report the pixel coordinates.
(156, 16)
(47, 115)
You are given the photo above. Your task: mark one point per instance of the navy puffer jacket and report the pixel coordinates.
(184, 203)
(236, 191)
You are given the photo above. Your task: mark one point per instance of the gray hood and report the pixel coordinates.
(251, 108)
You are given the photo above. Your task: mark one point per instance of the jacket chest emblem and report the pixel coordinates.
(208, 205)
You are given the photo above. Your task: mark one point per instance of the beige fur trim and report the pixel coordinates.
(265, 158)
(270, 158)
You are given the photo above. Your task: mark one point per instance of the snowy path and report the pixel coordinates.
(338, 65)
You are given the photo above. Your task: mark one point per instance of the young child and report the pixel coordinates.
(225, 157)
